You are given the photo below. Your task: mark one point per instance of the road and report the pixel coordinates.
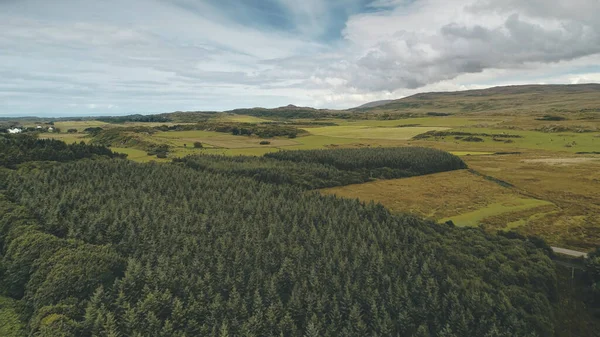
(569, 252)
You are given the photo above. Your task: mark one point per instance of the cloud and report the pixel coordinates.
(142, 56)
(414, 46)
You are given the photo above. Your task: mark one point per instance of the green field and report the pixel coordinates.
(366, 132)
(474, 218)
(79, 125)
(242, 119)
(448, 121)
(535, 140)
(68, 138)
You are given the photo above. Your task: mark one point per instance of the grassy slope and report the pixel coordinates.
(460, 196)
(528, 99)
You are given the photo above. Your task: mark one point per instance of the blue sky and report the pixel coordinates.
(112, 57)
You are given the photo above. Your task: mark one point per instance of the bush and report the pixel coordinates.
(265, 142)
(551, 118)
(72, 131)
(473, 139)
(198, 145)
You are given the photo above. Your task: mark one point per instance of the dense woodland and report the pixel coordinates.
(114, 248)
(17, 149)
(273, 171)
(328, 168)
(592, 265)
(412, 160)
(135, 118)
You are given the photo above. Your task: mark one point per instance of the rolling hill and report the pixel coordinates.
(509, 99)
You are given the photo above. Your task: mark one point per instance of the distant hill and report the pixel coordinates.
(509, 99)
(374, 104)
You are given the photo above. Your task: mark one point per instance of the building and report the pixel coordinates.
(14, 130)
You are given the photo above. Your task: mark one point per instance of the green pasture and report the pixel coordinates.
(365, 132)
(242, 119)
(473, 219)
(449, 121)
(558, 142)
(79, 125)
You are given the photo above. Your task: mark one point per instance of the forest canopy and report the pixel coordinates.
(328, 168)
(17, 149)
(111, 247)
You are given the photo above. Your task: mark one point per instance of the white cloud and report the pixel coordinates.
(432, 41)
(163, 55)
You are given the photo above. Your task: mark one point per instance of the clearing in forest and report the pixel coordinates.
(461, 196)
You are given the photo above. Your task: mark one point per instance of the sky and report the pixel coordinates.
(114, 57)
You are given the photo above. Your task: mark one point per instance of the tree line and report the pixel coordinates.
(18, 149)
(412, 160)
(328, 168)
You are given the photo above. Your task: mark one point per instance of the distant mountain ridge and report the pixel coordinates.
(517, 98)
(374, 104)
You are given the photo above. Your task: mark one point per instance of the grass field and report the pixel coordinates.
(571, 182)
(366, 132)
(79, 125)
(511, 206)
(68, 138)
(242, 119)
(448, 121)
(460, 196)
(558, 142)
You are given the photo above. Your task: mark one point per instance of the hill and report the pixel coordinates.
(375, 104)
(509, 99)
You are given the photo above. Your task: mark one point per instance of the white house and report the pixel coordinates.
(14, 130)
(50, 129)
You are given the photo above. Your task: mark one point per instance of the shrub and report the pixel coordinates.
(473, 139)
(265, 142)
(198, 145)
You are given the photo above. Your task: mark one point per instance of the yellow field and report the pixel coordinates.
(68, 138)
(79, 125)
(460, 196)
(242, 119)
